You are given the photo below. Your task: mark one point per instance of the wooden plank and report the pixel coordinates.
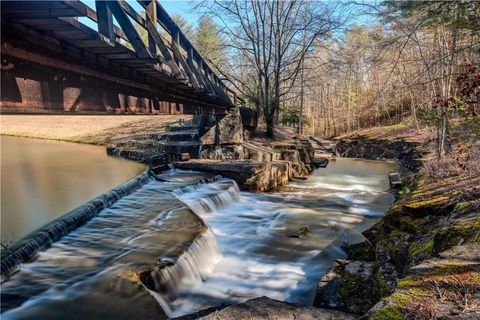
(71, 35)
(191, 64)
(35, 37)
(174, 30)
(43, 22)
(119, 56)
(210, 87)
(97, 43)
(132, 34)
(76, 25)
(38, 9)
(118, 48)
(132, 13)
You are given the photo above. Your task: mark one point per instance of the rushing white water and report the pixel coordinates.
(256, 233)
(251, 247)
(91, 272)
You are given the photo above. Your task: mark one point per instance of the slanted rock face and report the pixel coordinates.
(347, 286)
(228, 130)
(264, 308)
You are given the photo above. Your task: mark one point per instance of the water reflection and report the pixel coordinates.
(40, 180)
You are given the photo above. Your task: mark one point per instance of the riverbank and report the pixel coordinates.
(421, 261)
(92, 129)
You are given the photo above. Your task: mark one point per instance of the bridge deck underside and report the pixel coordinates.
(49, 33)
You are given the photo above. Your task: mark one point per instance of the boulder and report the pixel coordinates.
(300, 233)
(347, 286)
(395, 181)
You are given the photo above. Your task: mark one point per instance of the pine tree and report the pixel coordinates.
(209, 43)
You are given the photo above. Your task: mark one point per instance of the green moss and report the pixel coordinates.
(421, 247)
(466, 230)
(381, 287)
(388, 313)
(405, 193)
(437, 201)
(361, 251)
(461, 206)
(392, 311)
(355, 291)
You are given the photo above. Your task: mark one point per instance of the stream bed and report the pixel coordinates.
(251, 247)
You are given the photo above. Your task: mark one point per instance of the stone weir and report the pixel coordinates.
(407, 153)
(220, 145)
(226, 151)
(28, 248)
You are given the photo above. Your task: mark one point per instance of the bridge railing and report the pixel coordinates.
(165, 44)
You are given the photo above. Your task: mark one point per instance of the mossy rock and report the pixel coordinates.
(361, 251)
(356, 291)
(422, 248)
(391, 308)
(415, 289)
(434, 206)
(348, 286)
(464, 230)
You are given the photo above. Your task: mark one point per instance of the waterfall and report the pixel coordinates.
(172, 277)
(208, 196)
(28, 247)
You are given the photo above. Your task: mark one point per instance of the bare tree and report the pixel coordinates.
(268, 42)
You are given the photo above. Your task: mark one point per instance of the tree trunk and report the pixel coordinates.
(270, 122)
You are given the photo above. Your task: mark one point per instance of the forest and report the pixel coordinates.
(263, 160)
(332, 68)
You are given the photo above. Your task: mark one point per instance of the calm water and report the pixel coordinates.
(41, 180)
(248, 250)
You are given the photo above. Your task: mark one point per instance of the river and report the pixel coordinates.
(43, 179)
(250, 248)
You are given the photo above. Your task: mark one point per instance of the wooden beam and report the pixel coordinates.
(174, 30)
(152, 15)
(105, 20)
(183, 62)
(169, 61)
(127, 27)
(192, 66)
(206, 72)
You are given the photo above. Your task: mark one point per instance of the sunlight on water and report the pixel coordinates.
(251, 247)
(256, 232)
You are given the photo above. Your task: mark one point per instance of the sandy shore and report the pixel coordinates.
(93, 129)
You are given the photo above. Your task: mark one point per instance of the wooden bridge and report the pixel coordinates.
(64, 56)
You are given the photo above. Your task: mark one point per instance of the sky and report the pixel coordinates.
(181, 7)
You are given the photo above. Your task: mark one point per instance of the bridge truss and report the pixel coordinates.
(163, 67)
